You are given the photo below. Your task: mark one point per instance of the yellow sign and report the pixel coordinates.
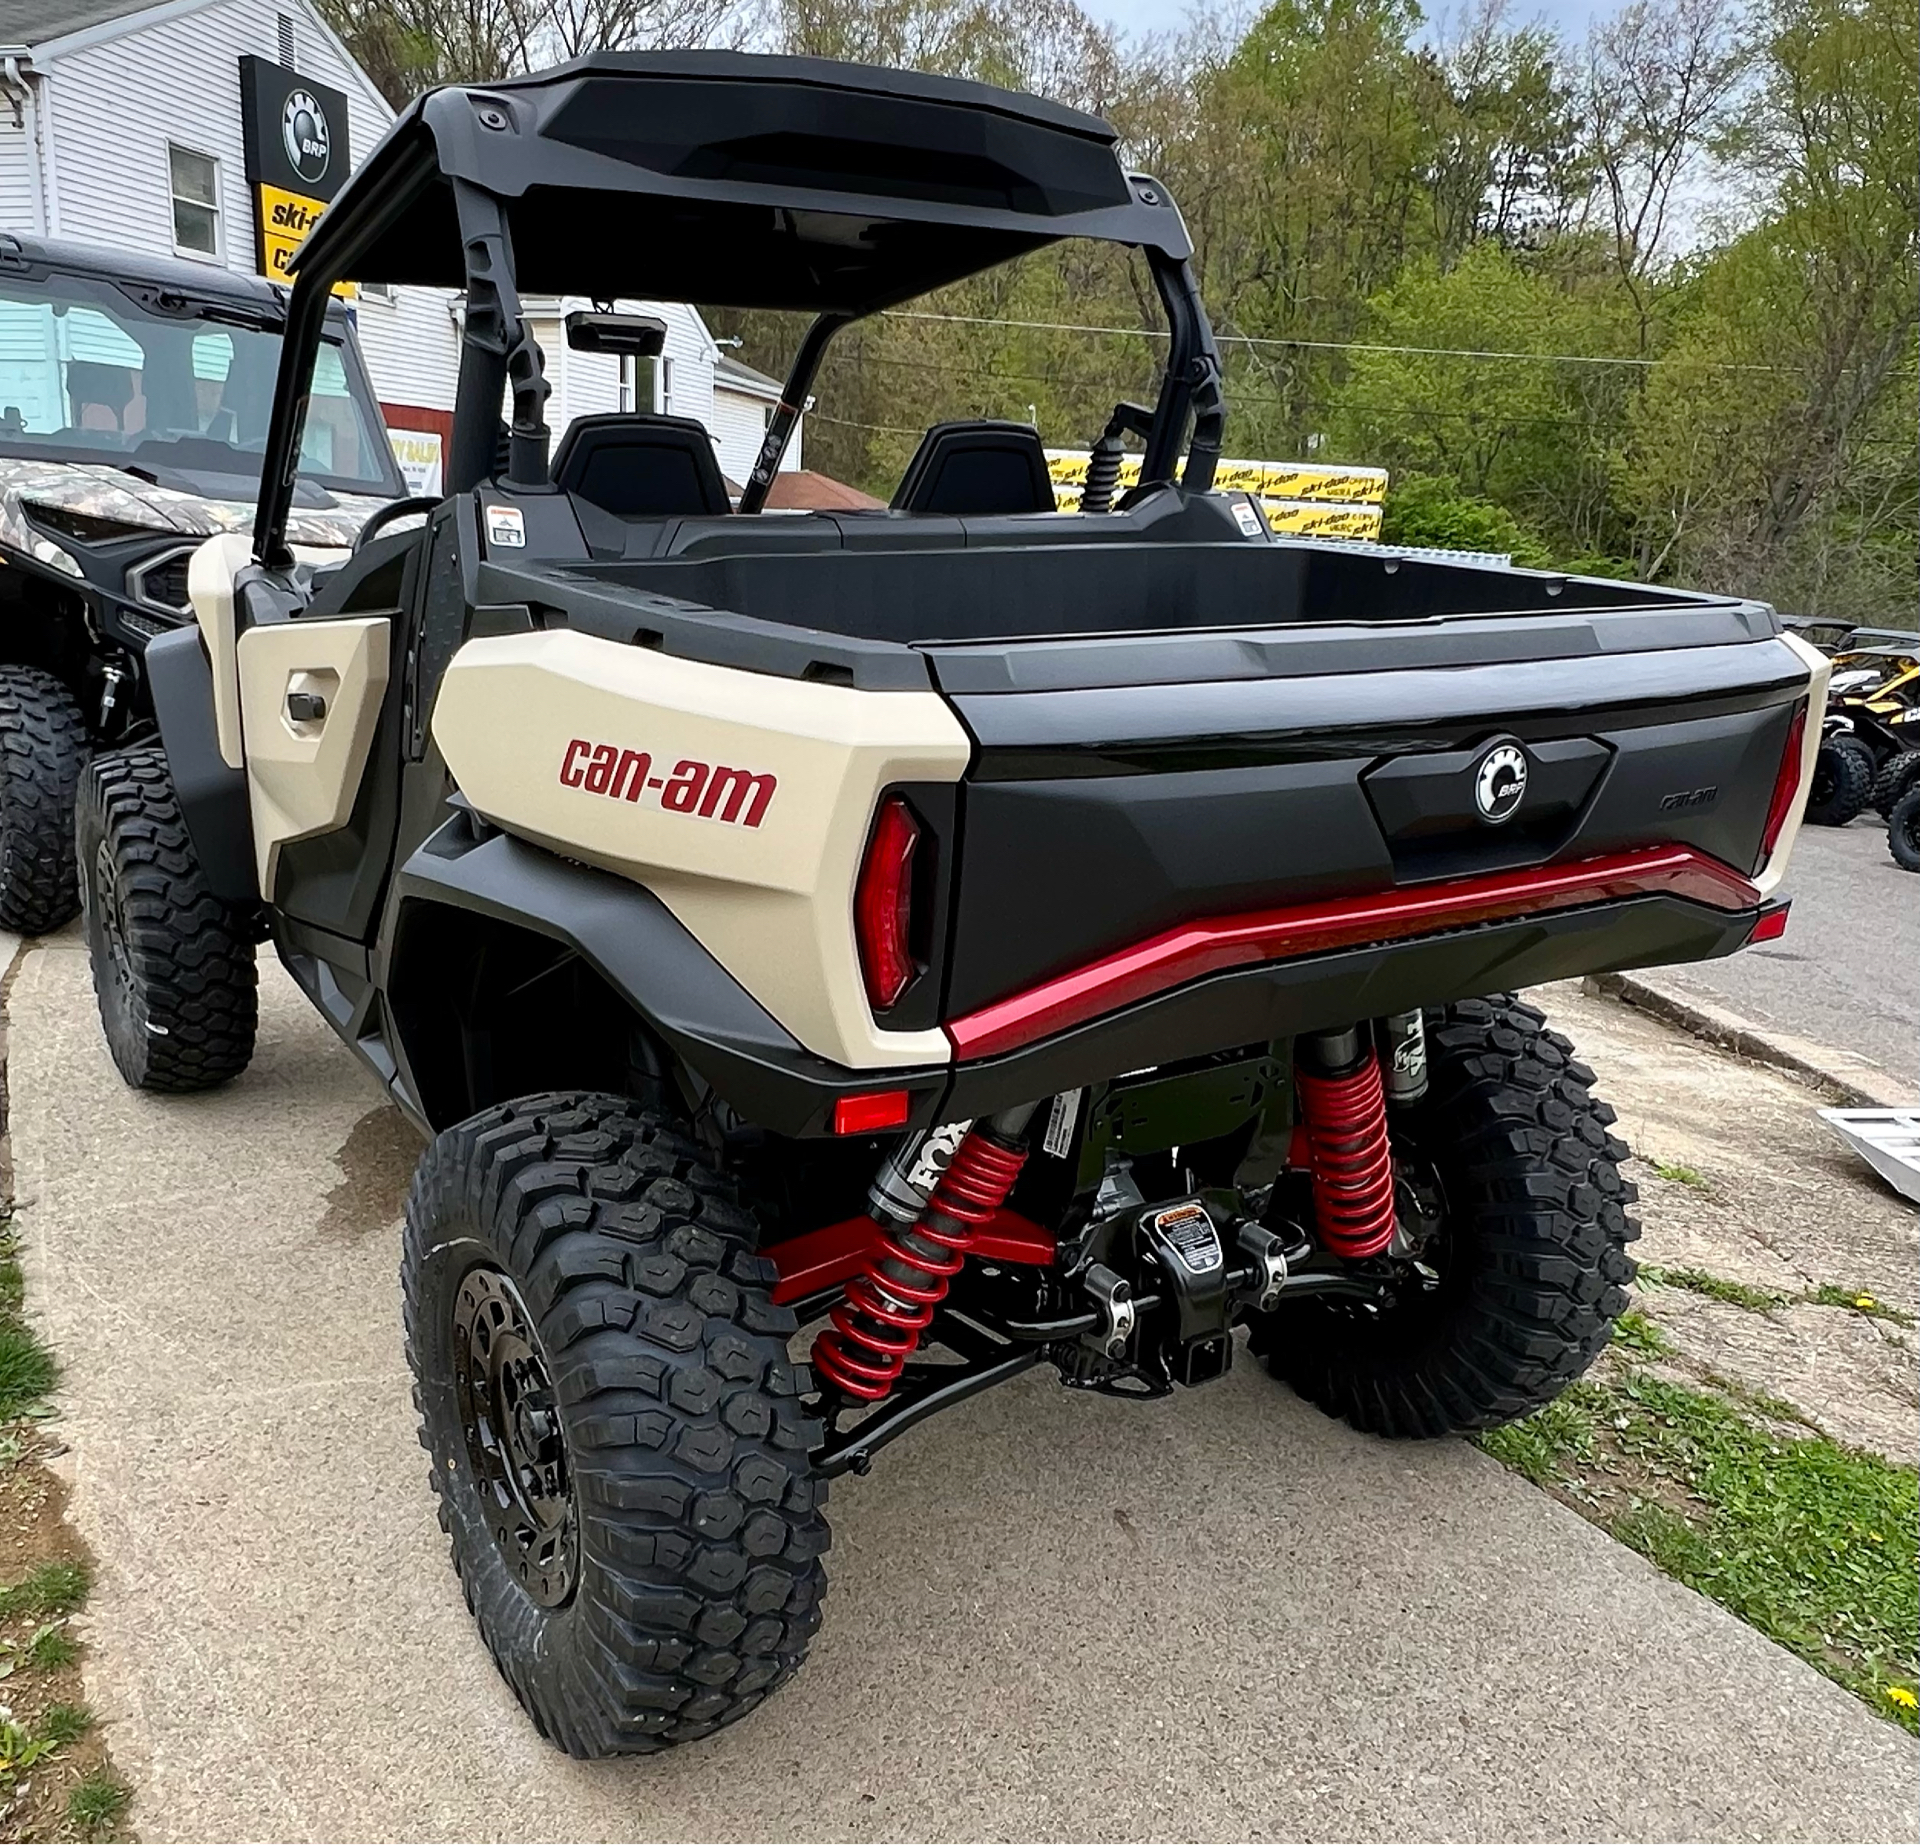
(1319, 519)
(1273, 480)
(285, 219)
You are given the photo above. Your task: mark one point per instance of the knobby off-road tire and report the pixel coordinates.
(1903, 846)
(663, 1401)
(1898, 774)
(43, 748)
(173, 965)
(1533, 1261)
(1842, 784)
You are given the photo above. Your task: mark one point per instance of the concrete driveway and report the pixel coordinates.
(1052, 1616)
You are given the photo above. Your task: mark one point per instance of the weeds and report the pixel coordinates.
(1681, 1175)
(1715, 1287)
(27, 1370)
(65, 1723)
(1636, 1333)
(48, 1589)
(97, 1801)
(1857, 1300)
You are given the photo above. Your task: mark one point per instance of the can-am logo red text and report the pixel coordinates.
(737, 797)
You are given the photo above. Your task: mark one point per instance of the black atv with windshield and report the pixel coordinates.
(844, 961)
(134, 396)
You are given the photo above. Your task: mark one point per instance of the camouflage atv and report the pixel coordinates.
(134, 396)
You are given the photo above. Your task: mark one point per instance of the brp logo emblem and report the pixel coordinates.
(304, 134)
(1500, 782)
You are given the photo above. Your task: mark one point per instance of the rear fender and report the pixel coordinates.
(468, 881)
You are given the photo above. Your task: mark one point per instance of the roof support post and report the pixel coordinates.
(793, 400)
(495, 349)
(1192, 383)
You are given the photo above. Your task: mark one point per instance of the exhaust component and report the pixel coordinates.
(1344, 1109)
(891, 1302)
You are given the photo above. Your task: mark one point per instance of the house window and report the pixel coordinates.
(636, 382)
(194, 180)
(666, 371)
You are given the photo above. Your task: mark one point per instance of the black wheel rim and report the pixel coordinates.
(516, 1450)
(104, 910)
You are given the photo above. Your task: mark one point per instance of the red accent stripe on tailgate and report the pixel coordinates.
(1192, 950)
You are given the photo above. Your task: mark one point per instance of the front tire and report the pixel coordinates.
(173, 965)
(1531, 1255)
(620, 1454)
(1843, 782)
(43, 748)
(1897, 775)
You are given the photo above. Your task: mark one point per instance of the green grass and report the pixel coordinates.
(65, 1723)
(1715, 1287)
(27, 1370)
(97, 1802)
(58, 1587)
(50, 1649)
(1680, 1175)
(1810, 1542)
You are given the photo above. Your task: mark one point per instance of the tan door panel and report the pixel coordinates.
(303, 771)
(742, 800)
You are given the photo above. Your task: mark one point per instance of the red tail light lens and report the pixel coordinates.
(1787, 782)
(884, 904)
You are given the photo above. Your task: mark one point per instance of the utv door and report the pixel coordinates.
(321, 725)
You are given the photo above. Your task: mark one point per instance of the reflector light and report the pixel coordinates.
(869, 1114)
(1787, 781)
(1770, 926)
(884, 904)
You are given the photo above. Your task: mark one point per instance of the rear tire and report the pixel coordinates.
(1903, 846)
(1532, 1261)
(173, 965)
(1843, 781)
(43, 748)
(655, 1571)
(1897, 776)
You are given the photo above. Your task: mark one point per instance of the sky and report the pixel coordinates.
(1568, 16)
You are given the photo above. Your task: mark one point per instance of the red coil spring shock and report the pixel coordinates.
(891, 1302)
(1345, 1113)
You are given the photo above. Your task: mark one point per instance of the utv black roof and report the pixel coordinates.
(738, 180)
(198, 281)
(21, 254)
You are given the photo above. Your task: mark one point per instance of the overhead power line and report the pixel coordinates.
(1251, 339)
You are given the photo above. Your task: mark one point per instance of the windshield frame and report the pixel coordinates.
(156, 301)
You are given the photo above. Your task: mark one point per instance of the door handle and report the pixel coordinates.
(306, 707)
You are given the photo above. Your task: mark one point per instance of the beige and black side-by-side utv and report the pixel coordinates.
(984, 936)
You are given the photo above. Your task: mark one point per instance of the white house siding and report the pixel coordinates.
(739, 423)
(17, 208)
(111, 161)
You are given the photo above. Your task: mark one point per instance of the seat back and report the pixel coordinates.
(977, 469)
(637, 466)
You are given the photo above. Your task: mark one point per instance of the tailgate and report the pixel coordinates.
(1340, 762)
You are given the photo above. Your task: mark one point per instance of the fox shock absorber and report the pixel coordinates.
(1344, 1108)
(931, 1199)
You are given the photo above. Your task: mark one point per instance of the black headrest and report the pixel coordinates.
(637, 466)
(963, 469)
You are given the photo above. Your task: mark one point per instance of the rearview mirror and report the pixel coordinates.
(638, 336)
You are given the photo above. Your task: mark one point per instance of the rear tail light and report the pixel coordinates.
(884, 904)
(1787, 783)
(871, 1113)
(1769, 926)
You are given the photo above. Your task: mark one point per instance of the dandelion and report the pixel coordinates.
(1900, 1696)
(1866, 1301)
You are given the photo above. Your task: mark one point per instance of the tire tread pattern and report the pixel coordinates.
(701, 1526)
(43, 748)
(191, 1020)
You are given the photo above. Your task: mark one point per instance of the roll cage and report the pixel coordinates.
(732, 179)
